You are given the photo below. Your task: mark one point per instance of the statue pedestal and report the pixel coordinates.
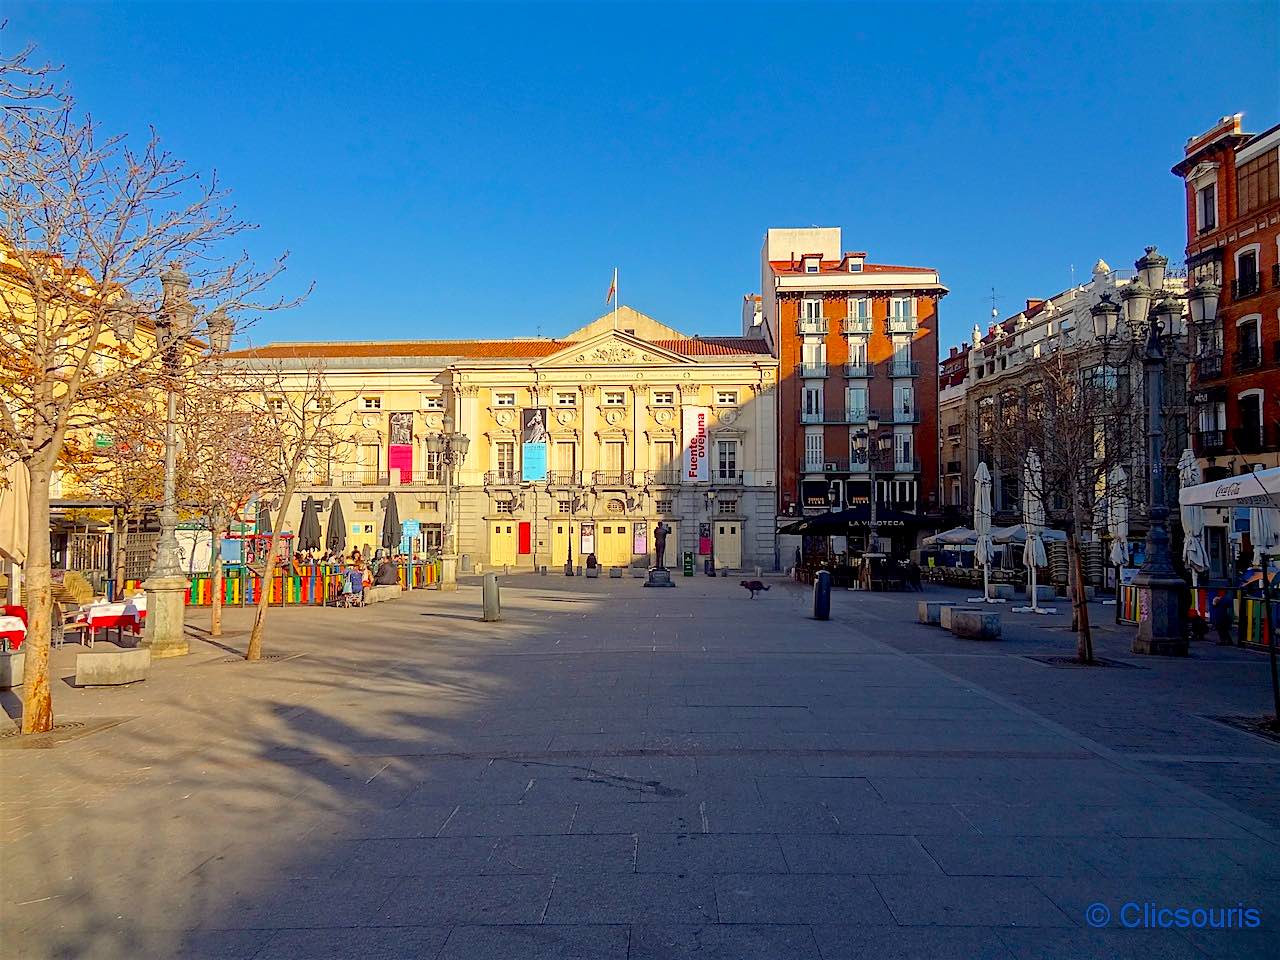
(659, 577)
(164, 629)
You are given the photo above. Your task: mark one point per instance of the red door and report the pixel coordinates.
(525, 538)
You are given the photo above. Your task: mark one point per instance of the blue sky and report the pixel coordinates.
(478, 170)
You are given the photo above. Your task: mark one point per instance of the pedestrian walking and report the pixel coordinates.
(1220, 616)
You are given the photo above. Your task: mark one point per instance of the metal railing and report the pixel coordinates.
(906, 416)
(365, 478)
(1248, 358)
(813, 369)
(663, 477)
(1209, 366)
(1247, 286)
(501, 478)
(902, 324)
(1210, 440)
(857, 370)
(906, 466)
(564, 478)
(856, 325)
(726, 476)
(826, 465)
(812, 418)
(612, 478)
(1249, 439)
(904, 368)
(813, 325)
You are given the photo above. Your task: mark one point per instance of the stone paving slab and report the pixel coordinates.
(619, 777)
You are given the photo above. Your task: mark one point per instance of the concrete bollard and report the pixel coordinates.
(822, 596)
(492, 601)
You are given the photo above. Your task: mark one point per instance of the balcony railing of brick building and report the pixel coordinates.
(856, 325)
(1209, 366)
(1250, 439)
(813, 325)
(906, 466)
(857, 370)
(1248, 358)
(503, 478)
(902, 324)
(904, 368)
(813, 369)
(612, 478)
(906, 416)
(1210, 441)
(826, 465)
(953, 466)
(1249, 285)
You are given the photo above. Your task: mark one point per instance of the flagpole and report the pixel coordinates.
(615, 298)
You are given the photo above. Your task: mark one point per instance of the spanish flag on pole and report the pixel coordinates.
(613, 289)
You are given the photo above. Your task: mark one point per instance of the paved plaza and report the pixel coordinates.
(614, 772)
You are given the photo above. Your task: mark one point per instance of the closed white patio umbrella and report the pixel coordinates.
(1264, 532)
(984, 552)
(1193, 552)
(1033, 518)
(1118, 520)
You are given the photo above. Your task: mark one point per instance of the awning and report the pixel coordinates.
(1258, 489)
(841, 522)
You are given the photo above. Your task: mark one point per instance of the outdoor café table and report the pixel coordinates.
(12, 631)
(105, 615)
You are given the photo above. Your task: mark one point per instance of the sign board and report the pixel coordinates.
(640, 539)
(588, 538)
(686, 563)
(410, 528)
(704, 539)
(697, 468)
(102, 441)
(813, 493)
(400, 445)
(533, 444)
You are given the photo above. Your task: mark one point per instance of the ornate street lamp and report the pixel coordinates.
(452, 449)
(872, 443)
(710, 497)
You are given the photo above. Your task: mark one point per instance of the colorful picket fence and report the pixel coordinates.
(310, 585)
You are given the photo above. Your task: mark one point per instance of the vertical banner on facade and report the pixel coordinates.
(588, 544)
(704, 539)
(533, 443)
(400, 445)
(640, 539)
(696, 468)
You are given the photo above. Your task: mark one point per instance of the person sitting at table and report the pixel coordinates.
(386, 575)
(353, 585)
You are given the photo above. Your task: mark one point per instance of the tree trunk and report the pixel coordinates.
(37, 698)
(216, 576)
(1084, 638)
(260, 616)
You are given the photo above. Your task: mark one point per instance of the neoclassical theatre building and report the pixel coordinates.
(575, 446)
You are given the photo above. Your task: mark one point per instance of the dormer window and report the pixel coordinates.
(811, 263)
(854, 261)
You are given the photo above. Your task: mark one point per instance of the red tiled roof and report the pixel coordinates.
(485, 349)
(834, 266)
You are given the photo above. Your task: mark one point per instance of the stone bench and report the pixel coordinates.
(593, 571)
(930, 611)
(114, 668)
(1004, 591)
(615, 573)
(975, 624)
(1045, 593)
(946, 613)
(381, 591)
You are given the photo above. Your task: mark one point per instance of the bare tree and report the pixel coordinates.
(1080, 423)
(304, 415)
(87, 226)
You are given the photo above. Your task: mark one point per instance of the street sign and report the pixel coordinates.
(102, 441)
(687, 563)
(410, 528)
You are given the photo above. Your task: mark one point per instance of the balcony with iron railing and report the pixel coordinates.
(904, 368)
(813, 370)
(953, 466)
(812, 325)
(661, 478)
(365, 478)
(902, 324)
(857, 370)
(827, 465)
(1247, 358)
(1209, 366)
(564, 478)
(1250, 439)
(501, 478)
(908, 465)
(1210, 441)
(1249, 285)
(732, 478)
(856, 325)
(906, 416)
(612, 478)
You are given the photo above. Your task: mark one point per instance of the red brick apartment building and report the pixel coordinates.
(857, 345)
(1233, 238)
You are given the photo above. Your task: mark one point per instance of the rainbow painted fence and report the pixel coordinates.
(307, 585)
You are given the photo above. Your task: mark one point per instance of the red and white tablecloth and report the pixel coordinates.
(127, 614)
(13, 630)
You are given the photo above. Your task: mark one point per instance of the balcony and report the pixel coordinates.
(902, 325)
(906, 466)
(365, 478)
(612, 478)
(830, 465)
(860, 415)
(904, 368)
(812, 418)
(856, 325)
(661, 478)
(1275, 276)
(906, 416)
(1247, 358)
(857, 370)
(501, 478)
(1210, 441)
(813, 370)
(953, 466)
(1249, 439)
(1209, 366)
(564, 478)
(732, 478)
(1250, 285)
(816, 326)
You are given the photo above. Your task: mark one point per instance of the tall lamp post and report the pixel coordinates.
(1161, 617)
(452, 449)
(871, 443)
(167, 585)
(710, 497)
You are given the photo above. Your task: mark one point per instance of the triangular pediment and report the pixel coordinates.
(613, 348)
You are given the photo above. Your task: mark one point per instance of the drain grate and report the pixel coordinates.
(1063, 661)
(64, 731)
(1258, 726)
(269, 658)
